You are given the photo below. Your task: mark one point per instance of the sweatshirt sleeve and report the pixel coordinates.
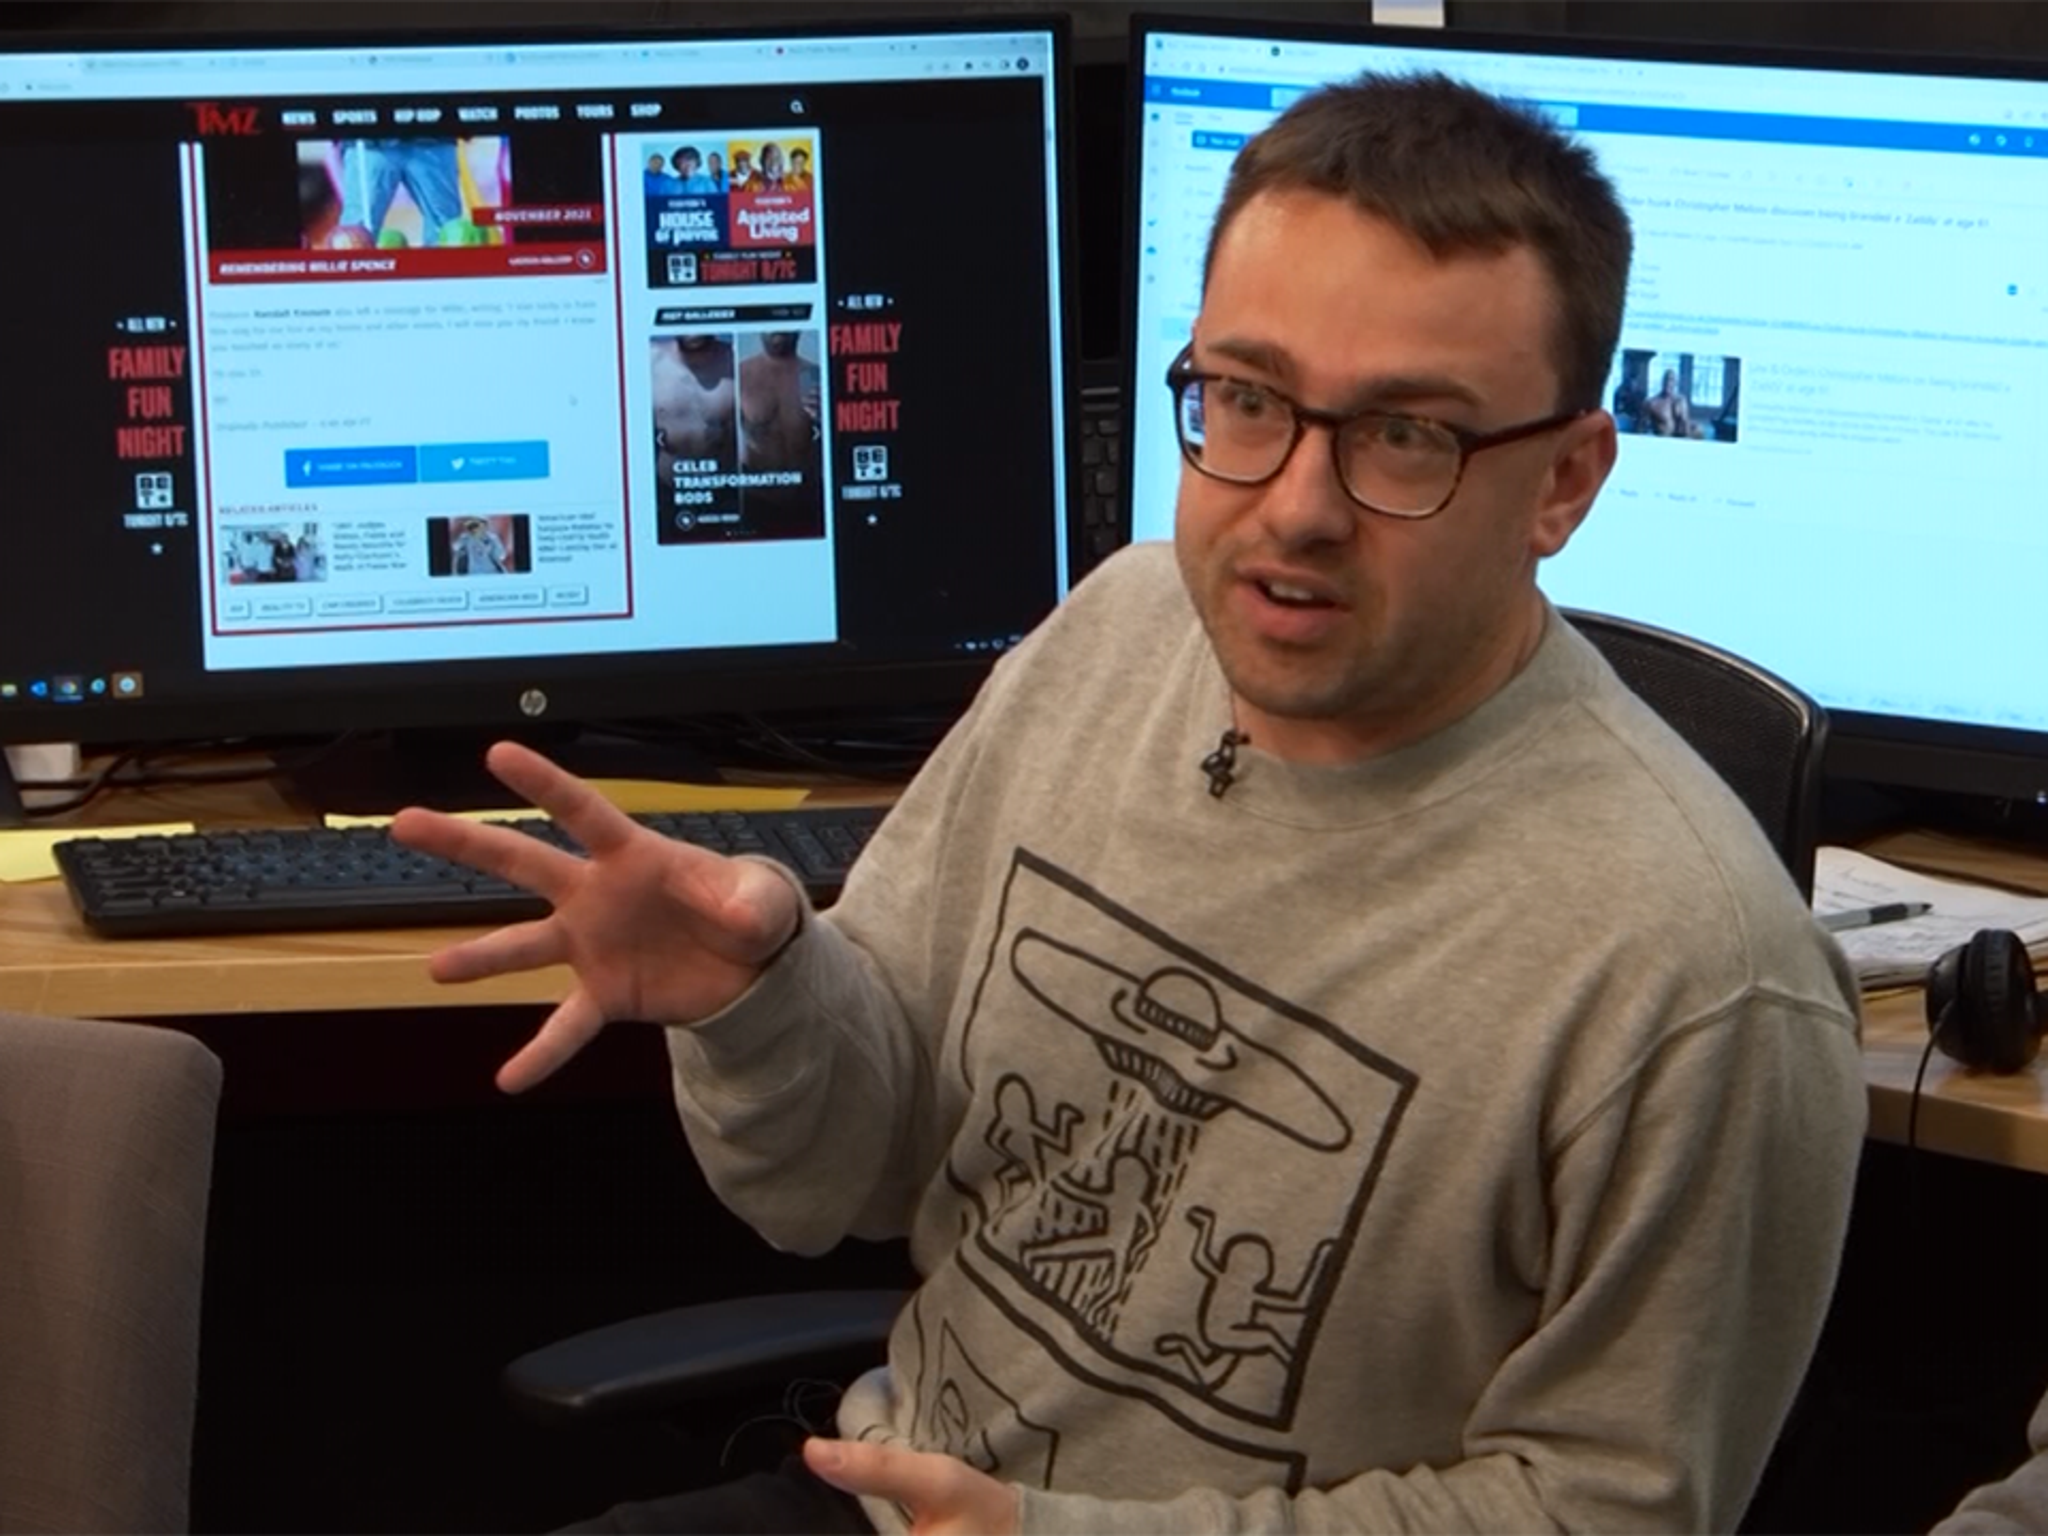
(1699, 1216)
(801, 1099)
(812, 1102)
(2014, 1504)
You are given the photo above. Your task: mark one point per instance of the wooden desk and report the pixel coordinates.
(50, 964)
(1970, 1114)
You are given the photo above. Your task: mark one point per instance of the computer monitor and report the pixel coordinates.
(496, 378)
(1838, 266)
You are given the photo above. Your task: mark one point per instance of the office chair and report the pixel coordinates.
(1766, 738)
(106, 1164)
(1761, 734)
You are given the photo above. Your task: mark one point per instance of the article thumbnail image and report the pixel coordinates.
(1681, 395)
(716, 165)
(273, 552)
(729, 208)
(779, 400)
(398, 193)
(498, 544)
(772, 209)
(781, 435)
(696, 431)
(685, 188)
(685, 170)
(781, 164)
(738, 437)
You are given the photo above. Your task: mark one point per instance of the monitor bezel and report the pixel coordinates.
(590, 689)
(1905, 751)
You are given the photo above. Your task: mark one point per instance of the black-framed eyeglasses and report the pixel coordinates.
(1243, 432)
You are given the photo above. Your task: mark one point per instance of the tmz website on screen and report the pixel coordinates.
(464, 353)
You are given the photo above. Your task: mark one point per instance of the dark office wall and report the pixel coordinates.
(2001, 28)
(1107, 19)
(1993, 28)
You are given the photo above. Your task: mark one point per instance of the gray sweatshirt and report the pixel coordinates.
(1458, 1140)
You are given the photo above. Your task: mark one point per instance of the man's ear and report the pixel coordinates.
(1580, 466)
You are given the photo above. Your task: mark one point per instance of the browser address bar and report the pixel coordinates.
(1565, 114)
(136, 63)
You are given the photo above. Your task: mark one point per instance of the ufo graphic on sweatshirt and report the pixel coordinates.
(1168, 1031)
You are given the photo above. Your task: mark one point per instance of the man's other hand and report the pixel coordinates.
(942, 1495)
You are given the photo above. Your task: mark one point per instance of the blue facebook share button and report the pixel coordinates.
(483, 461)
(351, 466)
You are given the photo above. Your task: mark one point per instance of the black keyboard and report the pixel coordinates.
(268, 881)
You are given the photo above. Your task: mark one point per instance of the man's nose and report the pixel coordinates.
(1306, 503)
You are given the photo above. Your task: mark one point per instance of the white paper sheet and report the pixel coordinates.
(1888, 954)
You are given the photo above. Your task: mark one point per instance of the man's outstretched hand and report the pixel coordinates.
(653, 928)
(942, 1494)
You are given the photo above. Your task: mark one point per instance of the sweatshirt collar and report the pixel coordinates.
(1422, 773)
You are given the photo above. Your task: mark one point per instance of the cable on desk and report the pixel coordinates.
(884, 747)
(1913, 1144)
(89, 787)
(109, 774)
(858, 755)
(1913, 1101)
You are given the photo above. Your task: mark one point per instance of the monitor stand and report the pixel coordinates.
(376, 775)
(1854, 811)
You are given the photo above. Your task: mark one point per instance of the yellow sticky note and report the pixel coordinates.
(27, 854)
(656, 795)
(638, 796)
(335, 820)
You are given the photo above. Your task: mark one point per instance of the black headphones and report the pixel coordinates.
(1982, 1008)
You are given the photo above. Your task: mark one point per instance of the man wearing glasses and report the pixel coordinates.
(1340, 1061)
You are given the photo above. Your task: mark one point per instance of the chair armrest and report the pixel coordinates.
(650, 1365)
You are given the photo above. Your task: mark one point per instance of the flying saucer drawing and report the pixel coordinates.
(1168, 1032)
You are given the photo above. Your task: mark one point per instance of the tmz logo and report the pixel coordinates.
(217, 121)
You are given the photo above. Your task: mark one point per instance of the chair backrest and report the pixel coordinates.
(1759, 732)
(106, 1164)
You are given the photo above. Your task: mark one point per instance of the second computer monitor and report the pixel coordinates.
(1832, 373)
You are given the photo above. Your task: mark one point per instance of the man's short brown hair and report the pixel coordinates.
(1464, 173)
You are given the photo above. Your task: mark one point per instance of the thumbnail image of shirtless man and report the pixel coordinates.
(694, 405)
(779, 405)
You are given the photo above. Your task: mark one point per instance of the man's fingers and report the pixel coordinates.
(569, 1028)
(942, 1495)
(576, 806)
(913, 1479)
(520, 947)
(511, 855)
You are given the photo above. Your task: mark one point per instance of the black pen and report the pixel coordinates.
(1864, 917)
